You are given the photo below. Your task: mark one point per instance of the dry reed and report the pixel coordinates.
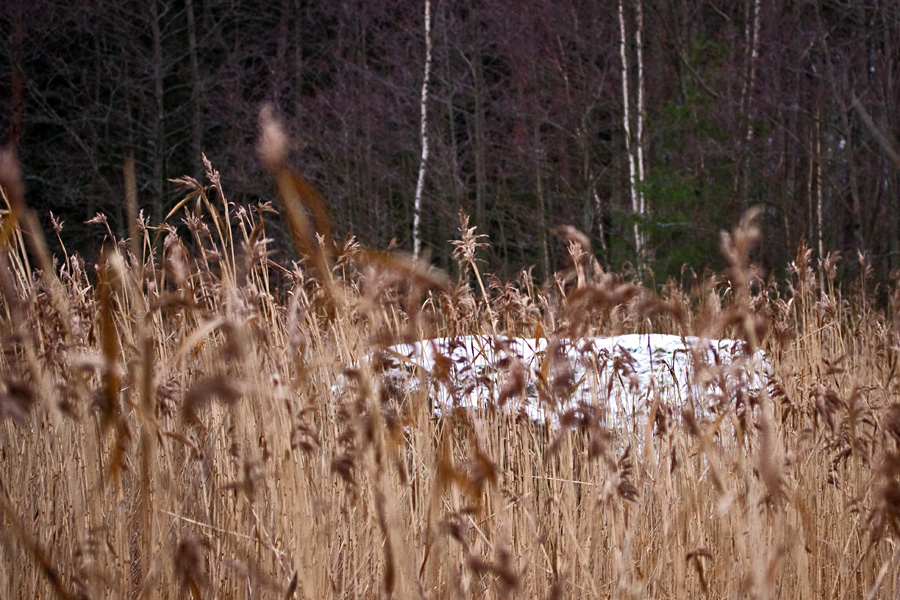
(194, 419)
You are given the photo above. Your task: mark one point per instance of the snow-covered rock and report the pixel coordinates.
(611, 379)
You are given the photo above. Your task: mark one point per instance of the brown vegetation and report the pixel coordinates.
(172, 427)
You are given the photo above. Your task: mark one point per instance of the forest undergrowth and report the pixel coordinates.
(189, 417)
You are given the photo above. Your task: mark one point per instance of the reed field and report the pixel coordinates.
(188, 415)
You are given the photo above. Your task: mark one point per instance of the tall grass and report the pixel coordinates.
(189, 418)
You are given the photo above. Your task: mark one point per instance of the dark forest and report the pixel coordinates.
(650, 126)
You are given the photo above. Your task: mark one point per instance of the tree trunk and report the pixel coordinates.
(297, 63)
(819, 200)
(17, 103)
(542, 205)
(838, 92)
(639, 140)
(751, 37)
(420, 184)
(626, 122)
(788, 156)
(479, 142)
(196, 92)
(158, 116)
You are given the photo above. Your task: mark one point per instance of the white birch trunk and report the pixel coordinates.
(639, 140)
(598, 207)
(626, 122)
(754, 59)
(420, 184)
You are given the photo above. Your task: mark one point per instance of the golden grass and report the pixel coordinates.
(173, 427)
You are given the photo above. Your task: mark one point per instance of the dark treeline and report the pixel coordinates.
(788, 105)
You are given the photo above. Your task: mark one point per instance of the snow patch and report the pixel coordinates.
(610, 379)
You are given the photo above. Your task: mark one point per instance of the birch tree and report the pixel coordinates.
(639, 140)
(420, 184)
(751, 39)
(635, 155)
